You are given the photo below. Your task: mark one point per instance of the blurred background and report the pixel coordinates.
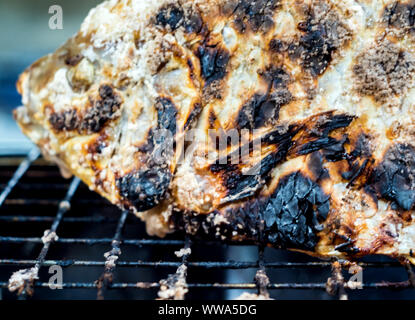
(25, 36)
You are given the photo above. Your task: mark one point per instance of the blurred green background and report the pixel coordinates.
(25, 36)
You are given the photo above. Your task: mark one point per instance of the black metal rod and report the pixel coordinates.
(64, 207)
(112, 257)
(91, 241)
(204, 264)
(19, 219)
(21, 170)
(53, 202)
(272, 286)
(39, 186)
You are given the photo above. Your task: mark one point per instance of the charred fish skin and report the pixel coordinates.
(135, 103)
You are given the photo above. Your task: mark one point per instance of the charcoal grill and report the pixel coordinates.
(34, 197)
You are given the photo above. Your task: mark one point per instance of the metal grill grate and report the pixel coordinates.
(35, 198)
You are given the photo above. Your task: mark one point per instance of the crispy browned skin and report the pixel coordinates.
(326, 86)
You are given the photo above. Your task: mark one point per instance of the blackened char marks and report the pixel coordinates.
(394, 178)
(400, 15)
(95, 117)
(291, 218)
(214, 62)
(170, 16)
(192, 119)
(323, 34)
(359, 160)
(64, 121)
(255, 15)
(264, 109)
(257, 112)
(243, 184)
(174, 16)
(294, 213)
(103, 110)
(316, 136)
(146, 188)
(167, 115)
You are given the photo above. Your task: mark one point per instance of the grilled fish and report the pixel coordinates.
(286, 123)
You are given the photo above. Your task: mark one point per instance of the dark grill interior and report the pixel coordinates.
(34, 198)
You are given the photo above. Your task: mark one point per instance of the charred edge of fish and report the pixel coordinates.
(175, 17)
(394, 178)
(94, 118)
(291, 218)
(146, 188)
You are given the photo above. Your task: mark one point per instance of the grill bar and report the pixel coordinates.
(274, 286)
(52, 202)
(51, 219)
(111, 258)
(21, 170)
(204, 265)
(63, 208)
(133, 242)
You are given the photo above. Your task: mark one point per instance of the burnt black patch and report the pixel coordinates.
(255, 15)
(394, 178)
(320, 40)
(278, 46)
(294, 213)
(191, 120)
(400, 15)
(146, 188)
(316, 136)
(264, 109)
(94, 118)
(241, 185)
(359, 160)
(103, 110)
(167, 115)
(290, 218)
(64, 121)
(214, 62)
(318, 50)
(175, 17)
